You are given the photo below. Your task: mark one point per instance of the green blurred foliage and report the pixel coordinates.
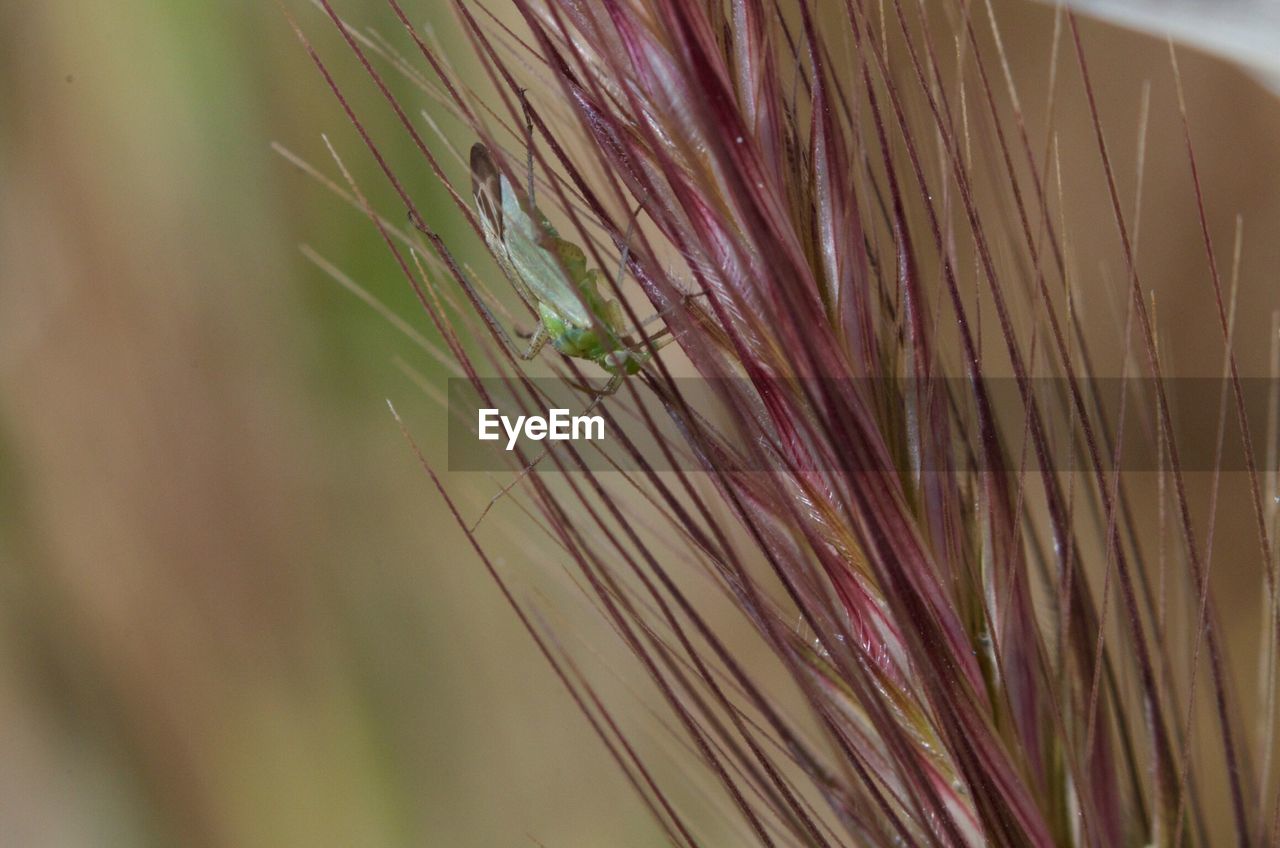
(232, 609)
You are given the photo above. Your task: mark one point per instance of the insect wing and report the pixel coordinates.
(547, 264)
(486, 187)
(524, 244)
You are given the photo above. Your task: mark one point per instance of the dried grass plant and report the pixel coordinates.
(822, 200)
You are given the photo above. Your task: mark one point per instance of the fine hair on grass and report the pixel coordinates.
(884, 572)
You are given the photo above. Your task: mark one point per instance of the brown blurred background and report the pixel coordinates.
(233, 612)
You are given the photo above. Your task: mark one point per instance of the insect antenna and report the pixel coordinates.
(626, 246)
(622, 266)
(515, 481)
(528, 143)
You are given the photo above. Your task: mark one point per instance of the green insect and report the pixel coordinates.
(551, 276)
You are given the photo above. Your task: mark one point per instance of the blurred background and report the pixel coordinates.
(233, 611)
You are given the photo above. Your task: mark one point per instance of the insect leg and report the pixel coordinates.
(655, 316)
(617, 379)
(608, 327)
(540, 338)
(626, 248)
(537, 340)
(609, 388)
(651, 344)
(535, 345)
